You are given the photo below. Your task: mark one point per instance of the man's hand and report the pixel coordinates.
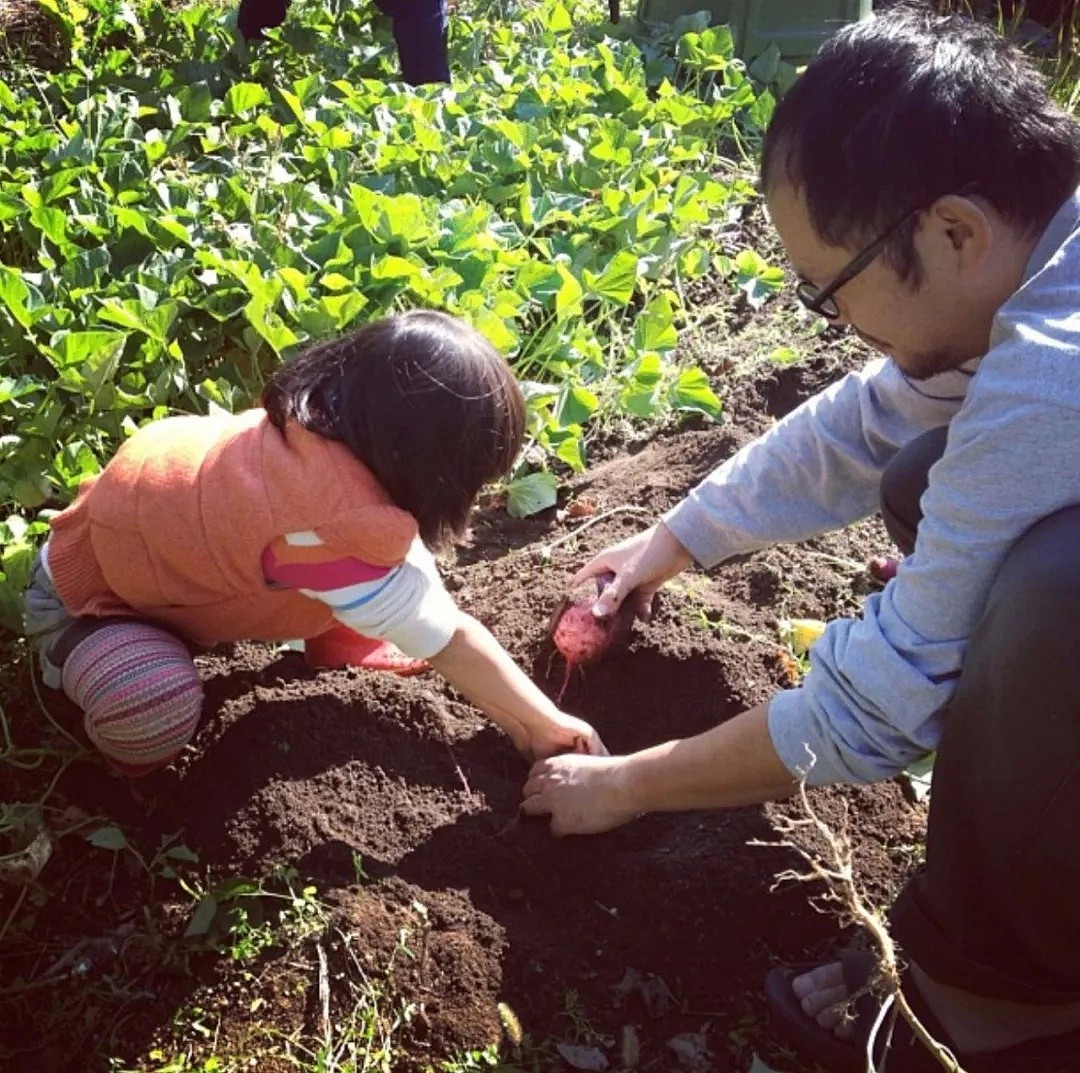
(584, 795)
(640, 565)
(561, 734)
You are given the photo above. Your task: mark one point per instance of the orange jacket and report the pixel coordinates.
(173, 529)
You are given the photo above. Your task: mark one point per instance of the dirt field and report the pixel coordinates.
(399, 804)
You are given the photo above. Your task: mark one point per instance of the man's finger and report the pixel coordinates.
(609, 601)
(533, 785)
(539, 768)
(643, 604)
(535, 805)
(587, 572)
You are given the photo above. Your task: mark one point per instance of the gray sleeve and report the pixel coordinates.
(874, 698)
(818, 469)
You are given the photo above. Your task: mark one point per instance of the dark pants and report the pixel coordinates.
(996, 910)
(420, 30)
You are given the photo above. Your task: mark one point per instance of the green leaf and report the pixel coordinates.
(919, 777)
(692, 391)
(87, 360)
(758, 1066)
(14, 293)
(269, 325)
(181, 853)
(784, 356)
(52, 222)
(244, 96)
(567, 446)
(108, 838)
(619, 278)
(569, 295)
(531, 494)
(394, 268)
(757, 278)
(654, 328)
(559, 20)
(203, 917)
(576, 406)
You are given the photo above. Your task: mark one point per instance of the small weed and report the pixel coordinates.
(244, 918)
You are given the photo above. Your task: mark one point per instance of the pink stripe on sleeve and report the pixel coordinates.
(320, 577)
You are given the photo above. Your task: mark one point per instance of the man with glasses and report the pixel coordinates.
(926, 191)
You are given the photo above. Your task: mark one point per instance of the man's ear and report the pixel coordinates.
(965, 227)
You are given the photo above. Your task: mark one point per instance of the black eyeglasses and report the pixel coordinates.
(820, 300)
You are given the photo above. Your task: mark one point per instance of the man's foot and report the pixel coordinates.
(977, 1025)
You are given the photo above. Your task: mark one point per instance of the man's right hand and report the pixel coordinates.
(640, 565)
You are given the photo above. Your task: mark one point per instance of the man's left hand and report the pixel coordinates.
(584, 795)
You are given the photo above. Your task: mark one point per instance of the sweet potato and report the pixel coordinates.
(883, 569)
(580, 636)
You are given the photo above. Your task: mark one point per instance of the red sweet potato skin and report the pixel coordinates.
(582, 637)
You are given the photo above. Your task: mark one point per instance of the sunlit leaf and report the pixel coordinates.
(531, 494)
(692, 391)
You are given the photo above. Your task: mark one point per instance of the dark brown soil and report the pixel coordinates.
(399, 804)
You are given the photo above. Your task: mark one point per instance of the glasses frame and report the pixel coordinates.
(820, 300)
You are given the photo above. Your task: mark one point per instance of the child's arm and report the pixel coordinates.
(408, 605)
(479, 667)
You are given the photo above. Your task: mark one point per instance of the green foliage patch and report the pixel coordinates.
(178, 214)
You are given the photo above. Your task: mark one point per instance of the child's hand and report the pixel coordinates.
(563, 734)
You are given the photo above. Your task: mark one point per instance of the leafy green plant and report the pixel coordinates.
(178, 215)
(246, 917)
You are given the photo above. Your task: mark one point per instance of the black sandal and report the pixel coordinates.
(906, 1053)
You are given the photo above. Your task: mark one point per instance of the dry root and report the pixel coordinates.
(829, 861)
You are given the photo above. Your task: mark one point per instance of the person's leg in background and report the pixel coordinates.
(421, 30)
(254, 16)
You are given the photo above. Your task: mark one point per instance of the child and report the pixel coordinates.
(313, 511)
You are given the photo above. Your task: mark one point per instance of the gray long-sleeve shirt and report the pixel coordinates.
(873, 700)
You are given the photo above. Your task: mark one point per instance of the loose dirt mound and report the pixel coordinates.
(668, 924)
(27, 33)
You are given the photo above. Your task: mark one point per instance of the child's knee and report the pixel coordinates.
(139, 691)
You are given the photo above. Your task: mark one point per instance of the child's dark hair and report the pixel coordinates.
(422, 399)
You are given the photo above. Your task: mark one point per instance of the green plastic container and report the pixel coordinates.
(796, 27)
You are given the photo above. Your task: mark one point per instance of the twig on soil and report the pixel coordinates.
(11, 916)
(546, 549)
(34, 985)
(474, 799)
(836, 560)
(41, 704)
(324, 995)
(837, 873)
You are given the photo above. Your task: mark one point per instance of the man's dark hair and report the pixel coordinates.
(422, 399)
(906, 107)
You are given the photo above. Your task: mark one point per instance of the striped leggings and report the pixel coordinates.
(135, 682)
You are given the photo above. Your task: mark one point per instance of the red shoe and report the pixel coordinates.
(342, 647)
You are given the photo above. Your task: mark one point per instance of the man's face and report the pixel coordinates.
(937, 326)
